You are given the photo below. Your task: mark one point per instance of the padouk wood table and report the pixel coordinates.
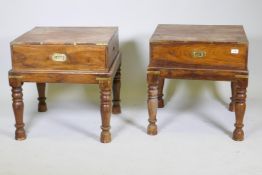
(86, 55)
(203, 52)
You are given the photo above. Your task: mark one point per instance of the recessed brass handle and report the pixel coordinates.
(198, 54)
(59, 57)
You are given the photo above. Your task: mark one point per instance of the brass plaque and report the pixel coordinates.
(59, 57)
(198, 54)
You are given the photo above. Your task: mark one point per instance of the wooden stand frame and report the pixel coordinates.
(239, 83)
(104, 80)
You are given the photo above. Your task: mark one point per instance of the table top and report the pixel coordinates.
(67, 35)
(166, 33)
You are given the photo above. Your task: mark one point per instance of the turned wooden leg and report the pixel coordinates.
(41, 93)
(18, 108)
(152, 102)
(105, 109)
(233, 92)
(160, 92)
(240, 107)
(116, 92)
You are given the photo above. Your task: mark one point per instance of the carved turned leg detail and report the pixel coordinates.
(41, 93)
(240, 107)
(160, 92)
(105, 109)
(233, 91)
(152, 102)
(116, 92)
(18, 108)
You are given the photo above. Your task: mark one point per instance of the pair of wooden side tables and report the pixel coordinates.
(90, 55)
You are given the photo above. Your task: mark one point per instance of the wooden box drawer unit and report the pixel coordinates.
(202, 55)
(75, 53)
(84, 55)
(198, 52)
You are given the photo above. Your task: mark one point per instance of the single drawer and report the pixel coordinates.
(62, 57)
(209, 55)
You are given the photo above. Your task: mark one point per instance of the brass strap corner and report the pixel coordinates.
(15, 76)
(153, 72)
(241, 76)
(103, 78)
(101, 44)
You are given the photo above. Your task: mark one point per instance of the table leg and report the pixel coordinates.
(240, 107)
(18, 108)
(152, 102)
(116, 92)
(105, 109)
(41, 93)
(233, 92)
(160, 93)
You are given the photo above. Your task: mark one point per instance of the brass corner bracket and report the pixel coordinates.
(153, 72)
(101, 44)
(241, 76)
(103, 78)
(15, 76)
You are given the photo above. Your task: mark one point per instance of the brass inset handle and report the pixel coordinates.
(59, 57)
(198, 54)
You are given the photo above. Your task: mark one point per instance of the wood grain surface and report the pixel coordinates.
(217, 55)
(85, 49)
(199, 33)
(67, 35)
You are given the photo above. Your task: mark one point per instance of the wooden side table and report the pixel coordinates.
(86, 55)
(198, 52)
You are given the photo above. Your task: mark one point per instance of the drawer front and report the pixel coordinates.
(223, 56)
(59, 57)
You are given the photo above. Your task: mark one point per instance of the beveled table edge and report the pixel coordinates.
(199, 74)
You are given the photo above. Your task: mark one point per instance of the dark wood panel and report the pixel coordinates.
(113, 49)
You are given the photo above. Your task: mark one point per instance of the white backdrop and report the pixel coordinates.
(136, 21)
